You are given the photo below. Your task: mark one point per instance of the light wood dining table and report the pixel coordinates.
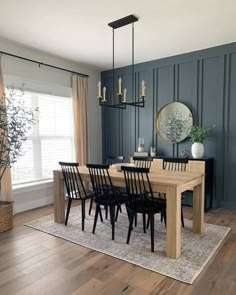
(172, 183)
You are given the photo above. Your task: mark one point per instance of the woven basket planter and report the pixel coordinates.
(6, 216)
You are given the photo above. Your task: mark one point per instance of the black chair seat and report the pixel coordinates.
(122, 190)
(90, 195)
(81, 195)
(146, 206)
(109, 199)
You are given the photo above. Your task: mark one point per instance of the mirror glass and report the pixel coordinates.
(173, 122)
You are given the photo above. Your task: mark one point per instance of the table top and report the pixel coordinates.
(157, 177)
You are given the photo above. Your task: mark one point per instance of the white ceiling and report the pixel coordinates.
(77, 29)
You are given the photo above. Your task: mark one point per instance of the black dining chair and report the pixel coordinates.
(173, 165)
(74, 188)
(114, 160)
(143, 162)
(105, 194)
(176, 165)
(110, 161)
(140, 199)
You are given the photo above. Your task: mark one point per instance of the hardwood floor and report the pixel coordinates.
(32, 262)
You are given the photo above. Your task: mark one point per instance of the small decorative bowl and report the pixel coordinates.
(185, 154)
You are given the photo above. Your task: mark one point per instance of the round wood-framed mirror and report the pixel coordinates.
(173, 122)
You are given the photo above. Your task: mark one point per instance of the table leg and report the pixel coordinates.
(59, 198)
(198, 206)
(173, 227)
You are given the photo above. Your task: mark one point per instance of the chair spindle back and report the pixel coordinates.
(143, 162)
(175, 164)
(100, 179)
(137, 182)
(73, 182)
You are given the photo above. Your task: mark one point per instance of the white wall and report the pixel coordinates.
(13, 67)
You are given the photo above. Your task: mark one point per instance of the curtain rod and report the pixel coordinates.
(43, 64)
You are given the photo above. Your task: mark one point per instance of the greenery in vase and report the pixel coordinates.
(198, 134)
(16, 122)
(174, 127)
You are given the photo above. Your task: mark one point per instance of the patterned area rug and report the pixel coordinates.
(197, 249)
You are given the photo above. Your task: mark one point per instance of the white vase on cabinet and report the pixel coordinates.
(197, 150)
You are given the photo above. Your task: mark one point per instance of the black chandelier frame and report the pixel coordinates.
(131, 19)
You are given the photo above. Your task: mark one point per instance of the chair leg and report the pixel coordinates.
(83, 213)
(135, 219)
(96, 217)
(68, 210)
(106, 210)
(110, 209)
(130, 226)
(164, 216)
(144, 223)
(127, 210)
(117, 211)
(128, 214)
(120, 209)
(148, 221)
(100, 213)
(182, 216)
(151, 216)
(90, 206)
(112, 213)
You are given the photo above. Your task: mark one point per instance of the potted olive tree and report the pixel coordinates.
(198, 135)
(16, 121)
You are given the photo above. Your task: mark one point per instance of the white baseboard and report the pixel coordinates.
(32, 197)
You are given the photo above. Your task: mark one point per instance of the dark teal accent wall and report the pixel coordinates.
(205, 81)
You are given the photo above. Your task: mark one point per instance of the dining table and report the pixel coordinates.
(172, 183)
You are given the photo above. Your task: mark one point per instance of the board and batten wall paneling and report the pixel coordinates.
(211, 113)
(204, 81)
(187, 93)
(230, 127)
(145, 115)
(165, 94)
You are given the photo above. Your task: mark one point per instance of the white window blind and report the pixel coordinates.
(51, 139)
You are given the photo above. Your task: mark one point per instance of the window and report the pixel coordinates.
(51, 139)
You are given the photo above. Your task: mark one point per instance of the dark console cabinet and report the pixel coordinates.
(207, 166)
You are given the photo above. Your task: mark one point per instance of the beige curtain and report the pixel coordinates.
(80, 98)
(6, 187)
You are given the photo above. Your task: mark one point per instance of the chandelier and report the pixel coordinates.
(122, 94)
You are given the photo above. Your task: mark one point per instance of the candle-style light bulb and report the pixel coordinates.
(119, 86)
(124, 98)
(143, 88)
(99, 89)
(104, 94)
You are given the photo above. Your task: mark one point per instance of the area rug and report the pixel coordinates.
(196, 249)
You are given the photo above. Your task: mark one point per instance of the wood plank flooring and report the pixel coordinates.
(32, 262)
